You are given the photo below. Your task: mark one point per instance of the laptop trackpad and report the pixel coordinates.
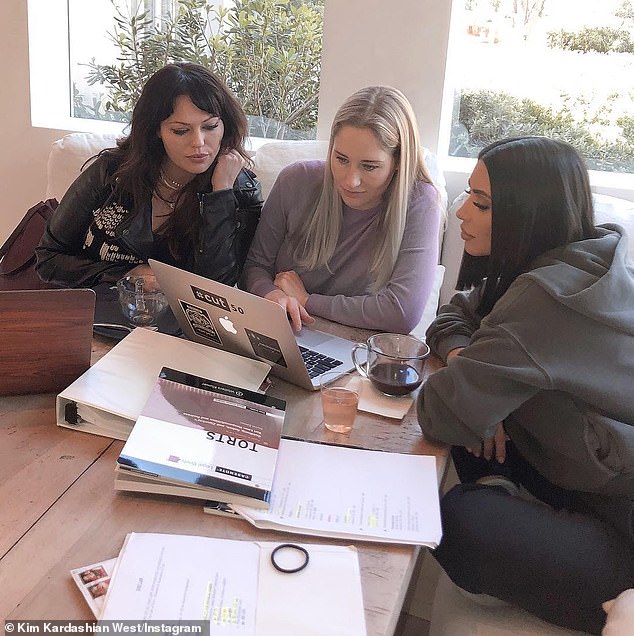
(310, 339)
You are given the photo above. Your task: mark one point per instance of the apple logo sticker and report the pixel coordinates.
(227, 325)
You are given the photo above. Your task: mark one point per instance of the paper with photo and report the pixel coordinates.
(93, 581)
(171, 573)
(183, 577)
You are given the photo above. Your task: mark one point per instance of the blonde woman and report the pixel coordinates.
(353, 239)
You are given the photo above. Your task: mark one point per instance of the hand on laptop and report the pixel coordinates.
(296, 312)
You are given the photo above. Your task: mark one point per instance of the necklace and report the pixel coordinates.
(170, 184)
(170, 203)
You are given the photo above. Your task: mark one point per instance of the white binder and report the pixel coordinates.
(107, 399)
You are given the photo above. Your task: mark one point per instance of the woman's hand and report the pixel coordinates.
(228, 166)
(620, 613)
(294, 309)
(292, 285)
(145, 271)
(491, 446)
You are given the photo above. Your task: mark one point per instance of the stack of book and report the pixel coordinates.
(203, 439)
(200, 438)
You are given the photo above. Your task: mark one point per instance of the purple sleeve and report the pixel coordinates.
(259, 268)
(292, 196)
(399, 305)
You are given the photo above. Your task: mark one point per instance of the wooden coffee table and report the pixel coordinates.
(58, 509)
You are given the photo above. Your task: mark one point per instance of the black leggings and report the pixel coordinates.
(557, 561)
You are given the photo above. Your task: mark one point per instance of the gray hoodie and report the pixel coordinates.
(554, 360)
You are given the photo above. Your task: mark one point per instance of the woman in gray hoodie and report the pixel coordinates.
(537, 393)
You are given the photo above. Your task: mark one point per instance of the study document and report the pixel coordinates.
(235, 587)
(199, 438)
(351, 493)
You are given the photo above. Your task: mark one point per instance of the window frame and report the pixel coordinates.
(51, 89)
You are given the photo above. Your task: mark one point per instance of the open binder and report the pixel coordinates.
(328, 490)
(109, 397)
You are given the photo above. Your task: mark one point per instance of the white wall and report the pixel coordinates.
(355, 57)
(23, 149)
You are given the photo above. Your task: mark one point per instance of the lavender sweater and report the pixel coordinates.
(341, 292)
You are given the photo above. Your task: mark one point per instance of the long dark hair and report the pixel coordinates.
(540, 199)
(140, 155)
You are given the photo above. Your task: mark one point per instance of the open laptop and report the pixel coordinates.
(46, 339)
(234, 320)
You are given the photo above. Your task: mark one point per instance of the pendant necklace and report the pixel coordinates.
(170, 185)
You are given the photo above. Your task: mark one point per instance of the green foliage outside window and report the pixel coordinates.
(600, 39)
(486, 116)
(267, 51)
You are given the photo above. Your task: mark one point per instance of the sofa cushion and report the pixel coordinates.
(68, 155)
(431, 307)
(452, 250)
(275, 155)
(609, 209)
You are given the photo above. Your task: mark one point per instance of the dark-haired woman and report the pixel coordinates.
(536, 397)
(175, 189)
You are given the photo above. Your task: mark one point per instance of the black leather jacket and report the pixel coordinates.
(66, 257)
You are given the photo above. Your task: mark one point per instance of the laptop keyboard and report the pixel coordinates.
(317, 363)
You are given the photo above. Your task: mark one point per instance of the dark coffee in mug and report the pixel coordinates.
(395, 378)
(394, 362)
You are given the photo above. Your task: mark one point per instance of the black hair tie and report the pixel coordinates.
(293, 546)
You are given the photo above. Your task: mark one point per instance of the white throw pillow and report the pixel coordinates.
(275, 155)
(452, 250)
(613, 210)
(67, 157)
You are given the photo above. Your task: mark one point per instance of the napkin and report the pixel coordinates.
(371, 400)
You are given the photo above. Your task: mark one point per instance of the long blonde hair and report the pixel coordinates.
(387, 113)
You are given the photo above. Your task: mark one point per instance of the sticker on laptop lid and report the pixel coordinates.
(200, 322)
(266, 347)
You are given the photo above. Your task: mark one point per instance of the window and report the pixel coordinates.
(404, 44)
(268, 52)
(561, 68)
